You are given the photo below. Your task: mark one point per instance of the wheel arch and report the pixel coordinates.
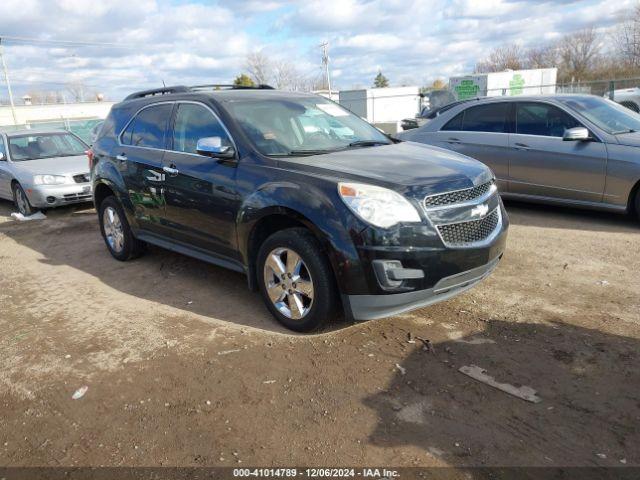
(631, 105)
(633, 195)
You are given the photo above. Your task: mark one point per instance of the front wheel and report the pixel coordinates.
(22, 202)
(296, 280)
(116, 231)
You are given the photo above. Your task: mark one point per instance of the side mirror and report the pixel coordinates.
(577, 134)
(212, 147)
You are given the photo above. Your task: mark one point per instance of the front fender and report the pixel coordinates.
(106, 173)
(319, 208)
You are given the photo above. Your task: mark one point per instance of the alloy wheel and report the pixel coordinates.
(288, 283)
(113, 229)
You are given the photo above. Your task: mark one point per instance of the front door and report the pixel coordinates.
(201, 196)
(5, 176)
(544, 165)
(139, 157)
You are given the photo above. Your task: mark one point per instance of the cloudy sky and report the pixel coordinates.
(131, 44)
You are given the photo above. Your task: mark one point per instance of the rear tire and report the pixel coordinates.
(637, 204)
(116, 231)
(296, 280)
(22, 202)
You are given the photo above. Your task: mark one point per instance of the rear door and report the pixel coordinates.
(201, 196)
(481, 132)
(139, 157)
(542, 164)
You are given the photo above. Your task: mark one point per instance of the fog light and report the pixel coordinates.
(391, 273)
(51, 199)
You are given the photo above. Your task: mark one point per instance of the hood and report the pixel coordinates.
(399, 166)
(55, 165)
(629, 139)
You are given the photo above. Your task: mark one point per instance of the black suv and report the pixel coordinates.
(319, 209)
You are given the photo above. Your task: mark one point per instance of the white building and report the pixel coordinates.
(32, 115)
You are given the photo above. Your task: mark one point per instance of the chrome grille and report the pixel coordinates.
(459, 196)
(474, 231)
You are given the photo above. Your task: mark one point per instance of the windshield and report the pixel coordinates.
(609, 116)
(302, 126)
(46, 145)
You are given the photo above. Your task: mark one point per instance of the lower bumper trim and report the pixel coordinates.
(370, 307)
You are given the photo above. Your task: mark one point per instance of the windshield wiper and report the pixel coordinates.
(368, 143)
(628, 130)
(310, 152)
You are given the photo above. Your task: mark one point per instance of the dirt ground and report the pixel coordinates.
(184, 366)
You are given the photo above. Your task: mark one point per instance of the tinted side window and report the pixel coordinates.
(192, 123)
(543, 119)
(148, 128)
(455, 123)
(486, 118)
(2, 149)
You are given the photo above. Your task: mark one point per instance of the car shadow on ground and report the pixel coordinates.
(71, 237)
(589, 414)
(552, 216)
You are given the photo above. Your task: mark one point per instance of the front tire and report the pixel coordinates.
(116, 231)
(296, 280)
(22, 202)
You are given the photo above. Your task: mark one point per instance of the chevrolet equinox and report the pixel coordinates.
(321, 211)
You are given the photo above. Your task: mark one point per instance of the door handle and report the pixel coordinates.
(122, 157)
(521, 146)
(453, 140)
(172, 171)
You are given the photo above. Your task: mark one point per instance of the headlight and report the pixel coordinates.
(376, 205)
(49, 179)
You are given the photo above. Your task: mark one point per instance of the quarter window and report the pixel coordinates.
(149, 127)
(3, 151)
(486, 118)
(543, 119)
(455, 124)
(192, 123)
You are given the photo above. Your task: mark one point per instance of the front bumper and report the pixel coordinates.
(49, 196)
(369, 307)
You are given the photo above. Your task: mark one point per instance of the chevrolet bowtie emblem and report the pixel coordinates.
(480, 210)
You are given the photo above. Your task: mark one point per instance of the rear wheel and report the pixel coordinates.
(21, 201)
(296, 281)
(116, 231)
(637, 204)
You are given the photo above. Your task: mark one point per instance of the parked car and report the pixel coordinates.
(578, 150)
(319, 209)
(95, 131)
(429, 114)
(43, 169)
(627, 97)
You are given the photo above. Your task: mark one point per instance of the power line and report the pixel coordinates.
(69, 43)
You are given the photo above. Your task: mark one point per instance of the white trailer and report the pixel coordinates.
(538, 81)
(383, 107)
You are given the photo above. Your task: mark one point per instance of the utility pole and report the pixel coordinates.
(325, 64)
(6, 79)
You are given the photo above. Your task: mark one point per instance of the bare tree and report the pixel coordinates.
(578, 53)
(78, 91)
(259, 67)
(542, 57)
(627, 39)
(508, 57)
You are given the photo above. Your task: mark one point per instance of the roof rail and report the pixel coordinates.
(157, 91)
(214, 86)
(195, 88)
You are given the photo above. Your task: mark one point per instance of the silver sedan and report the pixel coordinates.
(578, 150)
(43, 169)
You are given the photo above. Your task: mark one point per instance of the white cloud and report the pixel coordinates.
(199, 42)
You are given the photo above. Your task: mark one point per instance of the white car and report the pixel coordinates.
(627, 97)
